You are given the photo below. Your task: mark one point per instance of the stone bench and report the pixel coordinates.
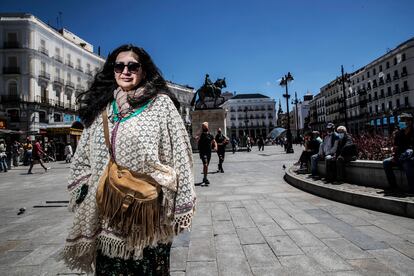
(368, 173)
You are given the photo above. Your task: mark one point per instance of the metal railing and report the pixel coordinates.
(59, 58)
(43, 50)
(59, 81)
(44, 74)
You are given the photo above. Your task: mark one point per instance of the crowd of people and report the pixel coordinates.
(338, 148)
(373, 147)
(29, 153)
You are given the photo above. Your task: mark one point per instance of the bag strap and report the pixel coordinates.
(106, 130)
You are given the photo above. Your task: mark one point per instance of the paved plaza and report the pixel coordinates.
(249, 221)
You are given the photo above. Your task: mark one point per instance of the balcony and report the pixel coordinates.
(11, 45)
(59, 104)
(10, 98)
(388, 80)
(69, 63)
(396, 91)
(11, 70)
(396, 77)
(44, 51)
(58, 58)
(70, 106)
(79, 68)
(44, 75)
(44, 100)
(404, 74)
(70, 84)
(405, 88)
(59, 81)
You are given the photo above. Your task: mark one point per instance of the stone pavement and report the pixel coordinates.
(249, 221)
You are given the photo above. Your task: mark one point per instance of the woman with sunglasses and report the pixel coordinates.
(147, 133)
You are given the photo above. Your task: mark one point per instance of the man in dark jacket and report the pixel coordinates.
(403, 156)
(221, 141)
(206, 143)
(345, 152)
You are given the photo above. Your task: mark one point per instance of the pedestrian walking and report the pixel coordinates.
(206, 143)
(68, 153)
(3, 157)
(234, 144)
(15, 153)
(222, 142)
(260, 143)
(37, 156)
(134, 140)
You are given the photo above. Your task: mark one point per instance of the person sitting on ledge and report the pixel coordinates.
(403, 156)
(345, 153)
(312, 144)
(327, 149)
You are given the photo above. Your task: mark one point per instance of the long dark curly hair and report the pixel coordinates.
(93, 101)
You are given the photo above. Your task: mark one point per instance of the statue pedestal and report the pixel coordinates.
(216, 118)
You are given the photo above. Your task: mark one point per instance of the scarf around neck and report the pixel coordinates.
(123, 98)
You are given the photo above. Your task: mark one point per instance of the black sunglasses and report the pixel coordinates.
(133, 67)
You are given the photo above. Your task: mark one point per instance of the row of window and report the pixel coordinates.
(251, 108)
(397, 59)
(390, 106)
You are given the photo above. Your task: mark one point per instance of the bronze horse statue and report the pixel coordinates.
(209, 90)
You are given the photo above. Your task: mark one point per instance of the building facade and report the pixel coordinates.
(184, 95)
(43, 70)
(381, 90)
(250, 114)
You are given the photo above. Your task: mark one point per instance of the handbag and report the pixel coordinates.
(128, 200)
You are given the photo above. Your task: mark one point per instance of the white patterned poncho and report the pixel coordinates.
(150, 141)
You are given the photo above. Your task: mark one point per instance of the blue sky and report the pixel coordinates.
(251, 43)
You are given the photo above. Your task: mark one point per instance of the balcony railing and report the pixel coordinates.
(89, 72)
(404, 74)
(10, 98)
(59, 58)
(44, 51)
(69, 63)
(404, 88)
(44, 75)
(11, 45)
(11, 70)
(70, 84)
(70, 106)
(59, 104)
(59, 81)
(396, 77)
(79, 68)
(44, 100)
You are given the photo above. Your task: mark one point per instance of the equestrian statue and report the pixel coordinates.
(209, 89)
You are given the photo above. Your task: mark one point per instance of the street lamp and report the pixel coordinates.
(246, 121)
(344, 78)
(296, 102)
(284, 82)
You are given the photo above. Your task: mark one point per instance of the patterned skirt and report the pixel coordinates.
(155, 262)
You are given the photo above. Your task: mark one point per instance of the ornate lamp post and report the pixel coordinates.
(296, 102)
(344, 78)
(284, 82)
(246, 121)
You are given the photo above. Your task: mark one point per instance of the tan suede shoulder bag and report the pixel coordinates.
(128, 200)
